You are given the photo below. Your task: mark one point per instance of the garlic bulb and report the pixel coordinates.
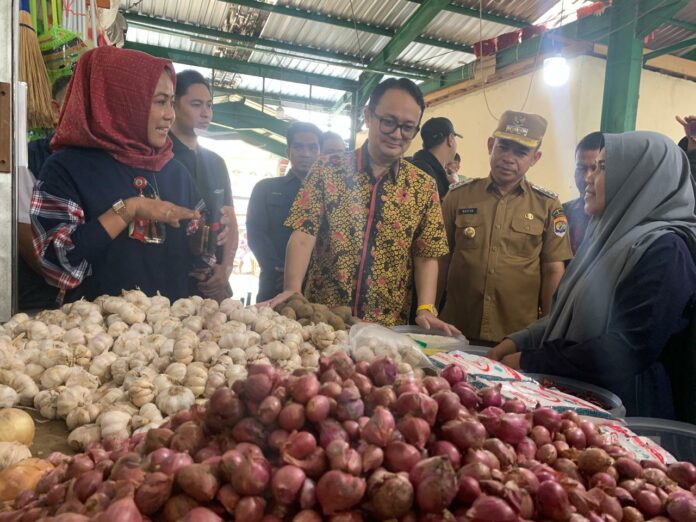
(261, 324)
(216, 379)
(183, 308)
(141, 392)
(81, 356)
(58, 354)
(233, 340)
(8, 397)
(233, 327)
(114, 424)
(175, 399)
(162, 382)
(193, 323)
(74, 336)
(141, 329)
(176, 372)
(83, 436)
(207, 307)
(132, 376)
(228, 305)
(154, 342)
(82, 415)
(11, 453)
(34, 371)
(117, 328)
(54, 377)
(274, 333)
(35, 330)
(167, 327)
(101, 366)
(119, 368)
(112, 305)
(157, 313)
(206, 352)
(148, 415)
(276, 351)
(72, 398)
(80, 377)
(215, 321)
(160, 300)
(99, 343)
(235, 373)
(137, 297)
(238, 355)
(160, 363)
(45, 401)
(55, 332)
(183, 351)
(243, 315)
(126, 344)
(196, 378)
(112, 396)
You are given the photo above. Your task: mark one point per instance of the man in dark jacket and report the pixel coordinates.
(439, 148)
(269, 206)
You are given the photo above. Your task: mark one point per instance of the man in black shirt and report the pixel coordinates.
(270, 204)
(439, 148)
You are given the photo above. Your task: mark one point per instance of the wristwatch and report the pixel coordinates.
(430, 308)
(120, 208)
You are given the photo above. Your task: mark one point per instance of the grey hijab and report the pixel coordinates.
(649, 193)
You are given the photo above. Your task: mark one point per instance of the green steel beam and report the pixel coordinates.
(676, 22)
(651, 13)
(254, 138)
(415, 24)
(273, 97)
(296, 12)
(689, 42)
(486, 15)
(238, 115)
(623, 69)
(193, 30)
(241, 67)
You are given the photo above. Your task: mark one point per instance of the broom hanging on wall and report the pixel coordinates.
(32, 70)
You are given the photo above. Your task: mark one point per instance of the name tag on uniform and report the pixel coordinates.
(463, 211)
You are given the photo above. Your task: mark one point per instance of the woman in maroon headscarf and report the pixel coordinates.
(114, 209)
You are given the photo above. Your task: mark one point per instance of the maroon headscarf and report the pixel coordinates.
(107, 106)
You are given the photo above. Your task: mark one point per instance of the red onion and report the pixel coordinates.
(576, 437)
(337, 491)
(594, 460)
(483, 456)
(286, 484)
(418, 405)
(228, 497)
(447, 405)
(683, 473)
(468, 490)
(491, 396)
(372, 457)
(435, 384)
(78, 465)
(249, 430)
(331, 388)
(313, 466)
(250, 476)
(257, 387)
(416, 431)
(467, 395)
(381, 396)
(568, 468)
(362, 383)
(317, 408)
(602, 480)
(250, 509)
(540, 435)
(201, 514)
(561, 446)
(362, 367)
(446, 449)
(399, 456)
(268, 410)
(303, 388)
(307, 515)
(491, 509)
(526, 448)
(277, 439)
(514, 406)
(548, 418)
(177, 506)
(681, 506)
(121, 510)
(300, 445)
(390, 495)
(188, 437)
(352, 428)
(504, 452)
(330, 430)
(523, 478)
(198, 481)
(343, 458)
(552, 501)
(292, 417)
(453, 373)
(630, 514)
(382, 372)
(648, 503)
(512, 428)
(87, 484)
(628, 468)
(156, 438)
(547, 454)
(490, 418)
(379, 429)
(349, 407)
(435, 482)
(477, 470)
(464, 434)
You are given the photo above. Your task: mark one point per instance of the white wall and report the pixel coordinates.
(572, 111)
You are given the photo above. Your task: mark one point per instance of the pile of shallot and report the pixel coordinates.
(356, 442)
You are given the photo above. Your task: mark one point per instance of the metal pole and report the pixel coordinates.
(354, 120)
(9, 60)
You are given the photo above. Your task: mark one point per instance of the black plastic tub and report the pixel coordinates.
(678, 438)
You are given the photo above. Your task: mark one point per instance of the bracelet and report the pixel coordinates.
(120, 209)
(428, 307)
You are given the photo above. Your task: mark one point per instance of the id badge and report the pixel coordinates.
(145, 230)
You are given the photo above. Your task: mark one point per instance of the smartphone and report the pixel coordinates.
(691, 129)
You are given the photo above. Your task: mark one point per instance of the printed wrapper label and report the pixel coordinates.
(643, 448)
(478, 367)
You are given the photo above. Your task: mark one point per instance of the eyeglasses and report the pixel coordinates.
(388, 125)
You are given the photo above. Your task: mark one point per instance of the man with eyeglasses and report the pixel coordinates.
(508, 238)
(270, 204)
(370, 222)
(586, 154)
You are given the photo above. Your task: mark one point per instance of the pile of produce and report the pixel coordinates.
(121, 365)
(356, 441)
(299, 308)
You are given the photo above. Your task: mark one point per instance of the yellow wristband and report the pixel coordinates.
(430, 308)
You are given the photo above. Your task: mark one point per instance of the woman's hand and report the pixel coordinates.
(158, 210)
(427, 320)
(502, 350)
(217, 287)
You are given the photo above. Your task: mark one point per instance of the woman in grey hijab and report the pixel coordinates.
(632, 284)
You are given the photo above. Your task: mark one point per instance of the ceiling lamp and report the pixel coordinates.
(556, 71)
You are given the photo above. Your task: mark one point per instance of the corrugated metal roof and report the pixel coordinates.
(210, 13)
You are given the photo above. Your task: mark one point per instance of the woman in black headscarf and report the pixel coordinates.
(632, 284)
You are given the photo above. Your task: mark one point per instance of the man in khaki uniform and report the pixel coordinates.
(508, 238)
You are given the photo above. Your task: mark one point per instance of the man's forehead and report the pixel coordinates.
(513, 144)
(305, 138)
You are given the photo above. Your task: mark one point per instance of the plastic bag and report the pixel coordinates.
(369, 341)
(61, 49)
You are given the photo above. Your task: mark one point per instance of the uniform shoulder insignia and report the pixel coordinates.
(546, 192)
(461, 183)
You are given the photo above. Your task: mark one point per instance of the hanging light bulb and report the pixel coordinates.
(556, 71)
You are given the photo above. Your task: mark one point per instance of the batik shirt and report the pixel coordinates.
(367, 233)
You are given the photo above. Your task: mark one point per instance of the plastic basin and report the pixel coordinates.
(679, 438)
(589, 392)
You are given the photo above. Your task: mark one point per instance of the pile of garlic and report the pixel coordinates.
(120, 365)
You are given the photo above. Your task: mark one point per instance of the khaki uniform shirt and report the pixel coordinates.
(498, 243)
